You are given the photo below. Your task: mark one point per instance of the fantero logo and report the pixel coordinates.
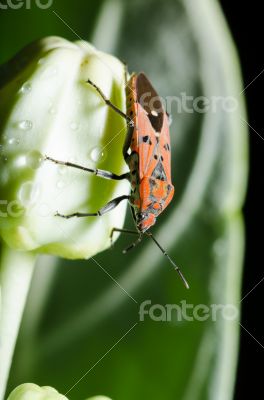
(187, 312)
(27, 4)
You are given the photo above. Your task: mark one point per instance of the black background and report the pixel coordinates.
(247, 28)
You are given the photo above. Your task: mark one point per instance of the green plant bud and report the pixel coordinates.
(99, 398)
(30, 391)
(47, 108)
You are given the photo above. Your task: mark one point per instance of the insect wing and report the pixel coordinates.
(147, 143)
(165, 148)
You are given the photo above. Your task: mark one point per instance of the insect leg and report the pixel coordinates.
(133, 244)
(105, 209)
(170, 260)
(98, 172)
(110, 104)
(122, 231)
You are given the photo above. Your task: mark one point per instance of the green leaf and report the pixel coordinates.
(183, 47)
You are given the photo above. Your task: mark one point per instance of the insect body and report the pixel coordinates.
(148, 143)
(147, 153)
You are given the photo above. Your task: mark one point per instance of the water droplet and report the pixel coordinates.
(74, 126)
(60, 184)
(41, 61)
(44, 210)
(28, 193)
(34, 159)
(26, 88)
(52, 110)
(25, 125)
(98, 154)
(11, 141)
(62, 169)
(20, 162)
(50, 72)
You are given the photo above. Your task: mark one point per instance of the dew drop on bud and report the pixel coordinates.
(20, 162)
(97, 154)
(52, 110)
(28, 194)
(26, 88)
(74, 126)
(62, 169)
(50, 72)
(12, 141)
(25, 125)
(34, 159)
(60, 184)
(44, 210)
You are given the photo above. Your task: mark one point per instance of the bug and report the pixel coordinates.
(147, 153)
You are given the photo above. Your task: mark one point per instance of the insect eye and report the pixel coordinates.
(141, 216)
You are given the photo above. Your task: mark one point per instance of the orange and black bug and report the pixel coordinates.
(147, 153)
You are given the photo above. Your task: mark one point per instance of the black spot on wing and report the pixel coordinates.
(145, 139)
(159, 172)
(169, 188)
(152, 183)
(156, 157)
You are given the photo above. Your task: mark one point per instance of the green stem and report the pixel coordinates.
(16, 269)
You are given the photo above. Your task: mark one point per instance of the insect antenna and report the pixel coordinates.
(170, 260)
(134, 244)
